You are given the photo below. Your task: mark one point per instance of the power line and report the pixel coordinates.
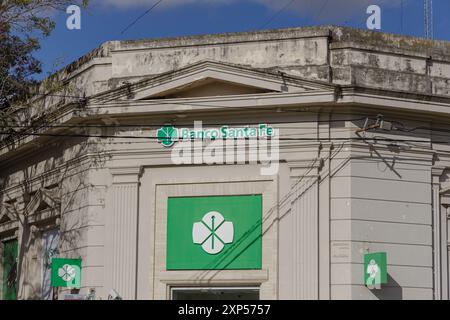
(321, 10)
(141, 16)
(56, 95)
(383, 139)
(157, 125)
(151, 102)
(276, 14)
(398, 126)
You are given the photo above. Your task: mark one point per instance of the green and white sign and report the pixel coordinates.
(214, 233)
(66, 273)
(375, 269)
(168, 135)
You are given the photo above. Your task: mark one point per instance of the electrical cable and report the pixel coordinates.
(158, 125)
(141, 16)
(276, 14)
(281, 139)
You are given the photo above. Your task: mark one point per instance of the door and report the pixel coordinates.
(215, 294)
(9, 270)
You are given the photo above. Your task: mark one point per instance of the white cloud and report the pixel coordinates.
(333, 11)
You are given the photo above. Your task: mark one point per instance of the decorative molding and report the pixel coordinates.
(7, 211)
(126, 174)
(214, 277)
(9, 227)
(51, 177)
(437, 171)
(445, 198)
(215, 70)
(122, 228)
(49, 197)
(441, 201)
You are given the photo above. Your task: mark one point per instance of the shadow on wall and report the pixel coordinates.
(393, 292)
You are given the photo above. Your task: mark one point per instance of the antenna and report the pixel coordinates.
(428, 17)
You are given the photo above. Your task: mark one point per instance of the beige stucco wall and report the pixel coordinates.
(363, 199)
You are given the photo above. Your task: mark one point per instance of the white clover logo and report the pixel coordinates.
(67, 272)
(213, 232)
(167, 136)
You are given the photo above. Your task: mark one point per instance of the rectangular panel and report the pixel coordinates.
(356, 292)
(386, 169)
(381, 189)
(214, 233)
(381, 232)
(381, 210)
(399, 254)
(398, 276)
(299, 244)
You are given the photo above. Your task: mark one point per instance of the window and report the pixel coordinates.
(50, 243)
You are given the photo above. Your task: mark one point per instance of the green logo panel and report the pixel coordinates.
(214, 233)
(375, 268)
(66, 273)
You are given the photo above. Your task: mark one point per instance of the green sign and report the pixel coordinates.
(9, 270)
(375, 269)
(168, 135)
(214, 233)
(66, 273)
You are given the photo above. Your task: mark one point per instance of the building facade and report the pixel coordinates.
(349, 155)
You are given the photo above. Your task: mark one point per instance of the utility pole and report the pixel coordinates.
(428, 19)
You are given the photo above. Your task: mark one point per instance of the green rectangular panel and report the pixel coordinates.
(375, 268)
(9, 270)
(66, 273)
(214, 233)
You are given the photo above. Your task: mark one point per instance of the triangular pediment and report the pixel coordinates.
(211, 78)
(4, 218)
(6, 213)
(209, 87)
(41, 200)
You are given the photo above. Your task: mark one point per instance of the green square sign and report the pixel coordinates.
(375, 269)
(214, 233)
(66, 273)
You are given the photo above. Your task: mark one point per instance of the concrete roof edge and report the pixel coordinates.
(229, 37)
(340, 34)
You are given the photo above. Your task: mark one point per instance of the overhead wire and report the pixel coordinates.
(276, 14)
(81, 135)
(158, 125)
(141, 16)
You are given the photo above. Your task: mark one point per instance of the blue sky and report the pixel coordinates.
(105, 20)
